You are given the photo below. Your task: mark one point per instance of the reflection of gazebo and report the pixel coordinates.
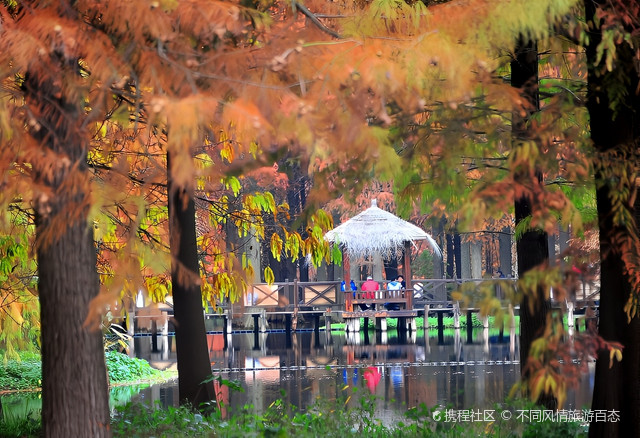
(376, 232)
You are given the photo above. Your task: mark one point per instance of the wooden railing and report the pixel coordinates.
(378, 298)
(324, 294)
(296, 294)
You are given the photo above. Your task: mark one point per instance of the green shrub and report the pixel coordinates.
(27, 373)
(136, 419)
(24, 374)
(123, 368)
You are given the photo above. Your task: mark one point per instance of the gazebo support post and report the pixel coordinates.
(346, 275)
(406, 268)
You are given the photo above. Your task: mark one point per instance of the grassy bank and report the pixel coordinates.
(328, 418)
(20, 412)
(26, 373)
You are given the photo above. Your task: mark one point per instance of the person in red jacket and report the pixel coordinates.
(369, 287)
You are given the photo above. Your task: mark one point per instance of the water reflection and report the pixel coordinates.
(461, 369)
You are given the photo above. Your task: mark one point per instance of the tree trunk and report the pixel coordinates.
(616, 387)
(391, 268)
(74, 376)
(438, 263)
(194, 366)
(450, 256)
(475, 254)
(464, 255)
(504, 243)
(457, 251)
(533, 246)
(75, 398)
(532, 250)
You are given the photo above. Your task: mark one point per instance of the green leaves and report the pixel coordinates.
(122, 368)
(268, 275)
(233, 183)
(276, 246)
(19, 306)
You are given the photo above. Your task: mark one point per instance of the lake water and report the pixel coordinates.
(455, 368)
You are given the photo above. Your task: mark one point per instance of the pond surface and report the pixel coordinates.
(455, 368)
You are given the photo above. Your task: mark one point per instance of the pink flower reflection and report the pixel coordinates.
(372, 377)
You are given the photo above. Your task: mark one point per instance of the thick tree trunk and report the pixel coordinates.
(616, 388)
(532, 251)
(75, 398)
(74, 377)
(532, 248)
(194, 366)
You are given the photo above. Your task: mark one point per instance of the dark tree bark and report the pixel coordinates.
(616, 387)
(74, 378)
(194, 366)
(457, 254)
(391, 268)
(450, 256)
(532, 249)
(533, 246)
(504, 239)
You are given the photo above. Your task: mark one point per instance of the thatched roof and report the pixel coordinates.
(375, 231)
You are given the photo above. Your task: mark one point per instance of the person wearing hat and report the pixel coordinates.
(370, 287)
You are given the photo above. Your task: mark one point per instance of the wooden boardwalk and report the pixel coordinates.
(322, 302)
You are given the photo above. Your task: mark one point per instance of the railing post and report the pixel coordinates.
(229, 320)
(327, 320)
(263, 321)
(426, 316)
(132, 320)
(570, 318)
(513, 318)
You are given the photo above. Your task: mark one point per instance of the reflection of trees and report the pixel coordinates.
(121, 395)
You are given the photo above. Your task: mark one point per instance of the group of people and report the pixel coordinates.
(370, 287)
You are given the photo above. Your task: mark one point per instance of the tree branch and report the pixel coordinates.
(314, 19)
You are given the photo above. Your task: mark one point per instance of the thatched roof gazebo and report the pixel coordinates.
(378, 232)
